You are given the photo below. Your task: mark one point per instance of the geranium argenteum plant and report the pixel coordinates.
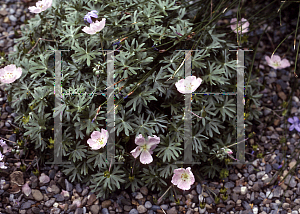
(94, 27)
(183, 178)
(98, 139)
(40, 6)
(10, 73)
(188, 85)
(241, 27)
(88, 17)
(295, 124)
(145, 148)
(276, 62)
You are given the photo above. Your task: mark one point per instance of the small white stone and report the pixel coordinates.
(243, 190)
(55, 204)
(255, 210)
(265, 177)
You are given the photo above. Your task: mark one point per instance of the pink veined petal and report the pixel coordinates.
(192, 178)
(176, 177)
(285, 63)
(268, 59)
(26, 189)
(104, 133)
(153, 140)
(180, 86)
(276, 58)
(18, 73)
(91, 142)
(100, 25)
(140, 140)
(34, 9)
(146, 157)
(245, 23)
(88, 30)
(184, 185)
(197, 82)
(95, 135)
(136, 152)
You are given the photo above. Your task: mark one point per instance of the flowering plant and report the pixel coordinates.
(276, 62)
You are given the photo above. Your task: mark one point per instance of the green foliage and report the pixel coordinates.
(154, 107)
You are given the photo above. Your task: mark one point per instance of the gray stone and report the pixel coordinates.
(259, 175)
(292, 183)
(95, 209)
(78, 188)
(50, 202)
(37, 195)
(228, 185)
(252, 177)
(55, 210)
(268, 168)
(69, 186)
(25, 205)
(246, 205)
(233, 177)
(277, 192)
(85, 192)
(237, 190)
(199, 189)
(12, 18)
(155, 208)
(59, 197)
(141, 209)
(55, 189)
(22, 19)
(133, 211)
(79, 211)
(148, 204)
(256, 187)
(234, 197)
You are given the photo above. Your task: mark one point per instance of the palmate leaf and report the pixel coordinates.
(73, 172)
(39, 67)
(152, 178)
(99, 158)
(86, 54)
(167, 170)
(227, 108)
(78, 153)
(168, 149)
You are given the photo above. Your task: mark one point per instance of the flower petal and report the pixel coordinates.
(292, 127)
(146, 157)
(136, 152)
(290, 120)
(26, 189)
(140, 140)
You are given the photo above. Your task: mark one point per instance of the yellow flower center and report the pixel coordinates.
(100, 141)
(144, 147)
(184, 176)
(276, 64)
(8, 76)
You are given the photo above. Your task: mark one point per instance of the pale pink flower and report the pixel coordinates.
(1, 156)
(241, 27)
(98, 139)
(10, 73)
(26, 189)
(44, 178)
(5, 147)
(188, 85)
(145, 148)
(276, 62)
(94, 27)
(2, 166)
(40, 6)
(183, 178)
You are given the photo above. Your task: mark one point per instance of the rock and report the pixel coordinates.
(55, 189)
(199, 189)
(95, 209)
(229, 185)
(255, 163)
(259, 175)
(4, 115)
(133, 211)
(282, 95)
(233, 177)
(246, 205)
(37, 195)
(148, 204)
(59, 197)
(106, 203)
(69, 186)
(243, 190)
(256, 187)
(25, 206)
(144, 190)
(50, 202)
(17, 178)
(172, 211)
(268, 168)
(141, 209)
(3, 12)
(55, 210)
(12, 18)
(91, 199)
(105, 211)
(85, 192)
(139, 196)
(79, 211)
(78, 188)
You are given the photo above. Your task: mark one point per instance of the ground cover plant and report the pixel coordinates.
(149, 117)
